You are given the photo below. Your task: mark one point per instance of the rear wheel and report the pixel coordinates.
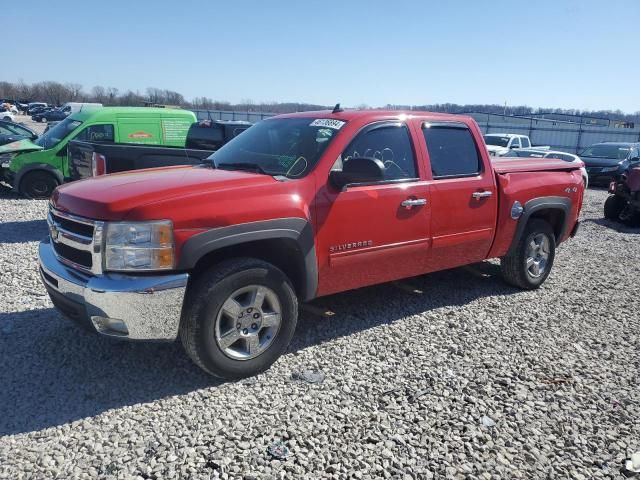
(38, 184)
(239, 318)
(613, 207)
(7, 119)
(528, 265)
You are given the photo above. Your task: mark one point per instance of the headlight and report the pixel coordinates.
(5, 160)
(139, 246)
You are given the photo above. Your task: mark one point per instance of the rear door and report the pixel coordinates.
(463, 196)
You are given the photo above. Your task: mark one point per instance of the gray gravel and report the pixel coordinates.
(452, 375)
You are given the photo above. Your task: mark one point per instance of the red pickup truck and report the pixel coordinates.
(297, 207)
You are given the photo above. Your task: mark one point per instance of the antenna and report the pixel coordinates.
(337, 109)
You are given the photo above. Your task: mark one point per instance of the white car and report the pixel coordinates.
(567, 157)
(7, 115)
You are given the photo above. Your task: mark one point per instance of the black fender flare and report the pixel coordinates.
(296, 229)
(562, 204)
(37, 166)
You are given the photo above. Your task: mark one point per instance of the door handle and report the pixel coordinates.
(479, 195)
(414, 202)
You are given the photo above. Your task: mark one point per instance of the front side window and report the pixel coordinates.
(54, 136)
(96, 133)
(289, 147)
(452, 150)
(389, 143)
(515, 143)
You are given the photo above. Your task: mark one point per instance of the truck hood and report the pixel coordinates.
(505, 165)
(111, 197)
(25, 145)
(600, 161)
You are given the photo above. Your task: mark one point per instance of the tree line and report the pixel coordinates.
(57, 93)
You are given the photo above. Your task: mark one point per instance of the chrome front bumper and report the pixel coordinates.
(134, 307)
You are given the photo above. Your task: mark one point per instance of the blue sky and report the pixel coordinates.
(545, 53)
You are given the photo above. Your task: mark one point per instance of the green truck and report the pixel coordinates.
(36, 168)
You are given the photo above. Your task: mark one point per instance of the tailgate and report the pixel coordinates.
(519, 164)
(79, 156)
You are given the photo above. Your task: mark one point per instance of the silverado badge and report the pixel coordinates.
(350, 246)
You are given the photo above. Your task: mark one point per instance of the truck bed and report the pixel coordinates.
(125, 157)
(505, 165)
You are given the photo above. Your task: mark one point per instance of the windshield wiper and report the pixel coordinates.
(244, 166)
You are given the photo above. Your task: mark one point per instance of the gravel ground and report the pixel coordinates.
(451, 375)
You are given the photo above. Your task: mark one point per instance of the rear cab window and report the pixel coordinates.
(453, 152)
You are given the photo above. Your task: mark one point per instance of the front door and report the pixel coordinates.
(464, 196)
(376, 232)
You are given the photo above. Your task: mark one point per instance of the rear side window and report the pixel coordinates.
(452, 150)
(525, 142)
(96, 133)
(389, 143)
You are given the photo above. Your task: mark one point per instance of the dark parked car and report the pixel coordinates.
(37, 107)
(608, 160)
(50, 115)
(212, 134)
(624, 202)
(11, 132)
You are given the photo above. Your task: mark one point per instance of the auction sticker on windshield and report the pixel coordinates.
(327, 122)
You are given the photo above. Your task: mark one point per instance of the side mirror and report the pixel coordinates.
(357, 170)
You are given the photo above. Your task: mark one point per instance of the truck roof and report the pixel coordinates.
(110, 113)
(348, 115)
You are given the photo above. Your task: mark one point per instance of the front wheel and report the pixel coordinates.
(38, 184)
(239, 318)
(613, 207)
(528, 264)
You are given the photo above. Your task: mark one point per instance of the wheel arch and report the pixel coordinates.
(287, 243)
(57, 174)
(554, 210)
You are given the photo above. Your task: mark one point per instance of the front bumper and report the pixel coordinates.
(134, 307)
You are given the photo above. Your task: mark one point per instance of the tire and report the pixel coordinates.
(7, 119)
(43, 119)
(206, 324)
(515, 266)
(613, 207)
(38, 184)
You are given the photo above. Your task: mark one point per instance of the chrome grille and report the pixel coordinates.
(76, 241)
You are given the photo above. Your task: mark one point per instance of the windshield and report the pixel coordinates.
(618, 152)
(287, 146)
(496, 141)
(54, 136)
